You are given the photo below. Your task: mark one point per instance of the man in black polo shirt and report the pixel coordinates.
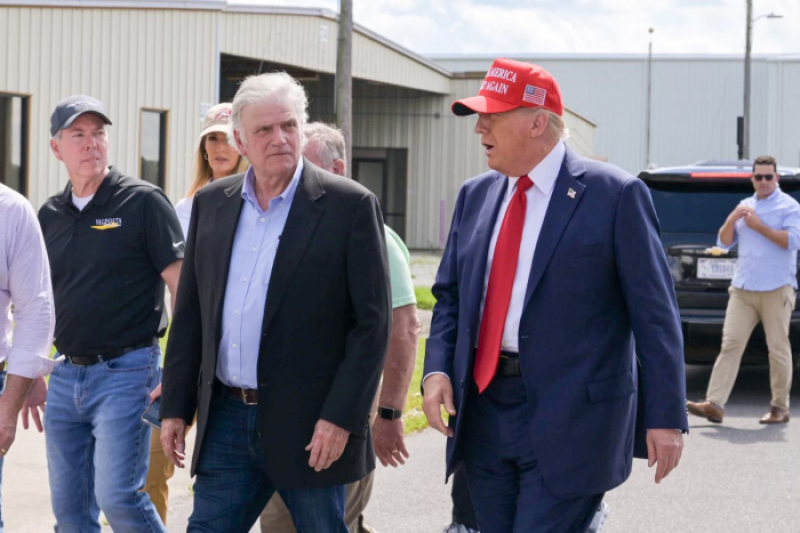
(113, 241)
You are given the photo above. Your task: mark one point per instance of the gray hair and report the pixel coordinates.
(270, 88)
(57, 136)
(555, 124)
(330, 142)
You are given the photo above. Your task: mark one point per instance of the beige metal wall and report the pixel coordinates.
(166, 59)
(309, 42)
(129, 59)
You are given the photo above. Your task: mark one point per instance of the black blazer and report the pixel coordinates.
(326, 323)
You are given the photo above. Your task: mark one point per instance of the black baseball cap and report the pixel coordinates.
(71, 108)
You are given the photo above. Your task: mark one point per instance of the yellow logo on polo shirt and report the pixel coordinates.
(107, 223)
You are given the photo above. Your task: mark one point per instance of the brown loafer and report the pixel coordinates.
(708, 410)
(776, 415)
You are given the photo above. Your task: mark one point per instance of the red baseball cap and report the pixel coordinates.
(511, 84)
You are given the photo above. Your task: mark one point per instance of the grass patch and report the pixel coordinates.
(425, 298)
(413, 416)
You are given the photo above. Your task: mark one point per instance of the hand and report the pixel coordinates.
(752, 220)
(388, 439)
(664, 446)
(438, 392)
(740, 211)
(327, 445)
(156, 394)
(173, 440)
(35, 402)
(8, 426)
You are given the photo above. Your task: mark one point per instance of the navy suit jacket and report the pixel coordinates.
(599, 279)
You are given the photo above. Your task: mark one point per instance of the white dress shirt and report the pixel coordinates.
(25, 336)
(543, 177)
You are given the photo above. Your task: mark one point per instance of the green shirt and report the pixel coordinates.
(399, 270)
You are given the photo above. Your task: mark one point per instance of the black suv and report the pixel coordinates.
(692, 203)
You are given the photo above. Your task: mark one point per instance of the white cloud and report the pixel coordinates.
(573, 26)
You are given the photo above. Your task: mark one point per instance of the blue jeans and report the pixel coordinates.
(232, 487)
(97, 445)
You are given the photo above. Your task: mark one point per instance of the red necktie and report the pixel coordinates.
(501, 281)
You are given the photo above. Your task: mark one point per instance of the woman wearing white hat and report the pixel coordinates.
(216, 157)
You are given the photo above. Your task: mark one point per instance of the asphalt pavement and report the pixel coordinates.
(738, 477)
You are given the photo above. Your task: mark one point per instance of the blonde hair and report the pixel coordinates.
(202, 170)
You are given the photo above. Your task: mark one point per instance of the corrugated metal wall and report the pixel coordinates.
(695, 102)
(166, 59)
(129, 59)
(160, 59)
(310, 43)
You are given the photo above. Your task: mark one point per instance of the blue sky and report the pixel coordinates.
(573, 26)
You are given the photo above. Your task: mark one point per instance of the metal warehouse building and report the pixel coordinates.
(695, 102)
(159, 65)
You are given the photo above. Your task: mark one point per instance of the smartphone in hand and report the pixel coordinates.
(151, 415)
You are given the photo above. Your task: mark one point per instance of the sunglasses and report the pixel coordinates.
(759, 177)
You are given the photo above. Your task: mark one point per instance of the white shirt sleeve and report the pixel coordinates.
(31, 293)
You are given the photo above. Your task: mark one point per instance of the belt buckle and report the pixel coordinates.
(244, 398)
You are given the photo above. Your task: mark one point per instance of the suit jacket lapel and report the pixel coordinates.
(300, 225)
(226, 222)
(567, 193)
(480, 246)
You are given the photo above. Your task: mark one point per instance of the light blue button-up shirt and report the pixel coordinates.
(254, 246)
(763, 265)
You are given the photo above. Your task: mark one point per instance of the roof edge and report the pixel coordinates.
(616, 57)
(280, 10)
(332, 15)
(208, 5)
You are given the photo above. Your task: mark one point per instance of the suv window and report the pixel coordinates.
(698, 203)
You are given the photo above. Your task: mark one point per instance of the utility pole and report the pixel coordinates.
(649, 94)
(745, 149)
(344, 78)
(747, 47)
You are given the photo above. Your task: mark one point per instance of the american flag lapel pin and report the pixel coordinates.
(571, 193)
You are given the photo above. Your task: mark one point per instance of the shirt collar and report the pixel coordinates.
(103, 192)
(249, 192)
(545, 173)
(773, 196)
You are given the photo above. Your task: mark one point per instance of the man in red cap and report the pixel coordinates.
(552, 268)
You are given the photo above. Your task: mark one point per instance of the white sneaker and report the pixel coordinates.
(599, 519)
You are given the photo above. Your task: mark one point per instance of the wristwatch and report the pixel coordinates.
(388, 413)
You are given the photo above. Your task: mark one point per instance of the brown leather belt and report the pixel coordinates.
(508, 365)
(248, 396)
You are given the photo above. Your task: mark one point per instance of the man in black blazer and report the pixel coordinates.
(281, 325)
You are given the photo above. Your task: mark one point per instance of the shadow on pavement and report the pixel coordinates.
(733, 435)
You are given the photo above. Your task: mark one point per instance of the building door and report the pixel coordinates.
(383, 171)
(14, 112)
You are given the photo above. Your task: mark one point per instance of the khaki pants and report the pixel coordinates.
(745, 310)
(160, 471)
(276, 517)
